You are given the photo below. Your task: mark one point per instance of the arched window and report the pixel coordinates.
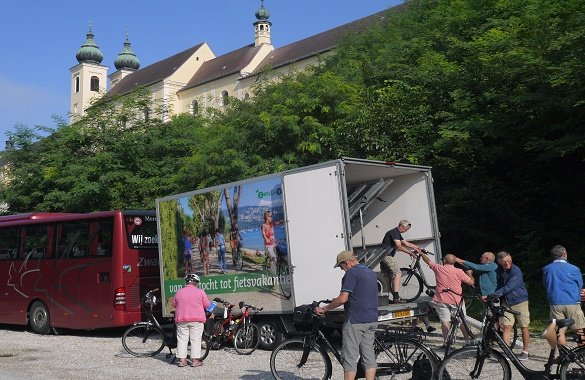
(246, 96)
(195, 107)
(146, 111)
(95, 84)
(76, 84)
(224, 98)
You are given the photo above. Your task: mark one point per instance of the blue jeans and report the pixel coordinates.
(221, 257)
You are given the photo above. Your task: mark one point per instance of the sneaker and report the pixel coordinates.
(523, 356)
(398, 300)
(431, 329)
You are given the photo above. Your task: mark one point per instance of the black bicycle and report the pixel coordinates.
(484, 362)
(149, 338)
(413, 279)
(398, 355)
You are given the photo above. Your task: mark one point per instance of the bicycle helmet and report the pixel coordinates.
(192, 277)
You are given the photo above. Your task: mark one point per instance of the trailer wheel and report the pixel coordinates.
(270, 335)
(383, 285)
(39, 319)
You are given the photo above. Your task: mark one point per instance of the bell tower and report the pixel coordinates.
(88, 78)
(262, 27)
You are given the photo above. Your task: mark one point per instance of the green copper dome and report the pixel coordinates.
(262, 13)
(89, 51)
(127, 59)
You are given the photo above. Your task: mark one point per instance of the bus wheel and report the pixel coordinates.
(38, 318)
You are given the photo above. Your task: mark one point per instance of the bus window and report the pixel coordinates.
(35, 242)
(73, 240)
(104, 231)
(8, 243)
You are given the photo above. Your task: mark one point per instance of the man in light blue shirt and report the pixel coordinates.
(486, 270)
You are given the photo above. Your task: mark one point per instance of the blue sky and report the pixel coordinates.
(39, 39)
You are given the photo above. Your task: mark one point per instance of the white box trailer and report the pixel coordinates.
(318, 211)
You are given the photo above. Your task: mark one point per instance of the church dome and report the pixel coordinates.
(262, 13)
(127, 59)
(89, 51)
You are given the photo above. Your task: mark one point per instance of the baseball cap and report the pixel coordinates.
(343, 256)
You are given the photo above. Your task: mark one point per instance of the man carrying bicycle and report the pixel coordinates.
(359, 297)
(448, 276)
(394, 239)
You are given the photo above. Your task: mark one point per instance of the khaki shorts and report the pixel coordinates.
(444, 310)
(568, 311)
(522, 320)
(389, 264)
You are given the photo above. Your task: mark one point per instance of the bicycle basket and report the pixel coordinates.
(303, 317)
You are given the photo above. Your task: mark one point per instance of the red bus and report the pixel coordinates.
(77, 271)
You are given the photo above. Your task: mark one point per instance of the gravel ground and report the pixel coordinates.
(100, 355)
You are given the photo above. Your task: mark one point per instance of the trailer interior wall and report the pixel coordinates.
(408, 196)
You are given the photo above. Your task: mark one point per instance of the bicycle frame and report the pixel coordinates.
(458, 318)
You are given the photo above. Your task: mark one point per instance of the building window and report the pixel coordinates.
(95, 84)
(246, 96)
(76, 85)
(146, 112)
(75, 110)
(195, 107)
(224, 98)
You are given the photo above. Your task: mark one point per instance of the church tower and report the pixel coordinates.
(126, 63)
(262, 27)
(88, 78)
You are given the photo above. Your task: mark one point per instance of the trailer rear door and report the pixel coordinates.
(316, 231)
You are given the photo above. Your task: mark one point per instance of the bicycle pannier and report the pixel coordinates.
(303, 317)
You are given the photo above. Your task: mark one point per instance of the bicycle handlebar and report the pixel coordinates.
(242, 304)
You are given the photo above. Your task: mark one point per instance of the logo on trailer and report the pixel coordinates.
(137, 221)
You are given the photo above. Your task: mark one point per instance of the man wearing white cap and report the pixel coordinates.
(359, 297)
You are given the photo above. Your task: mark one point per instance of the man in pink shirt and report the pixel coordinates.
(448, 277)
(190, 303)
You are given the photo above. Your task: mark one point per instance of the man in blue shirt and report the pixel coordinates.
(563, 283)
(359, 297)
(512, 288)
(487, 272)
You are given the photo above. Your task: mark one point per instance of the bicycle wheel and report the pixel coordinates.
(461, 363)
(404, 359)
(143, 340)
(469, 295)
(285, 361)
(205, 347)
(284, 278)
(247, 338)
(411, 285)
(573, 365)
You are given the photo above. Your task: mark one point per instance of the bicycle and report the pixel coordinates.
(240, 330)
(237, 258)
(305, 355)
(282, 268)
(413, 279)
(484, 362)
(458, 318)
(147, 339)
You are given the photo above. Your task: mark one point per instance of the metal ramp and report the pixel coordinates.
(360, 199)
(372, 256)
